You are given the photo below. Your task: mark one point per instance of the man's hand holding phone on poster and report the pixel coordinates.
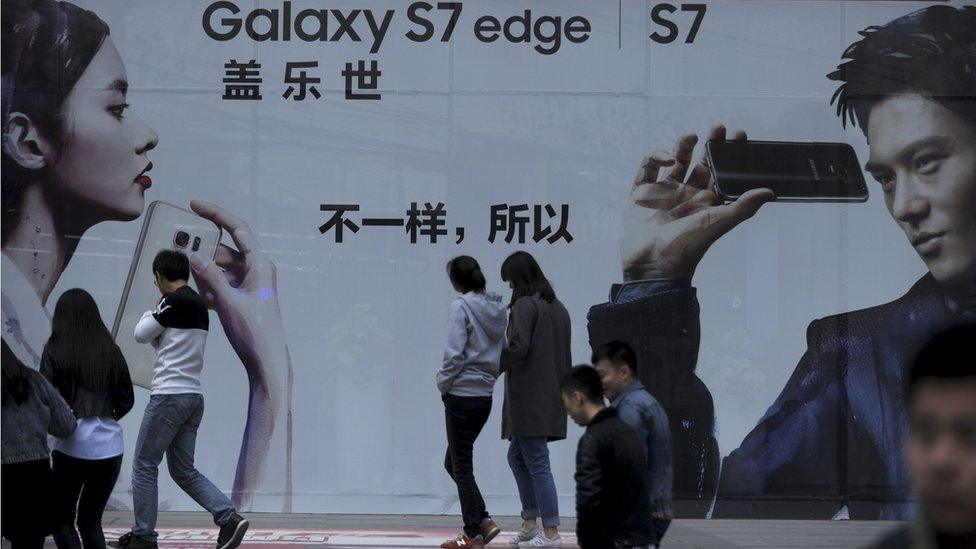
(670, 221)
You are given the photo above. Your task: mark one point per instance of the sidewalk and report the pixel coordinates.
(196, 531)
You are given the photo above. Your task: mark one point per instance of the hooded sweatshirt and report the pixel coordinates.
(475, 337)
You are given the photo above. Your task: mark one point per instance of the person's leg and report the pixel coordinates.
(159, 425)
(467, 419)
(179, 458)
(660, 527)
(535, 453)
(67, 476)
(99, 482)
(523, 481)
(28, 542)
(26, 503)
(449, 429)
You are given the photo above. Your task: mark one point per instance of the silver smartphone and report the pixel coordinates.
(166, 227)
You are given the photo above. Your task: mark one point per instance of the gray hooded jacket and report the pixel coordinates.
(475, 338)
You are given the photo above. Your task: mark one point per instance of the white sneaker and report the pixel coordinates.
(525, 535)
(541, 540)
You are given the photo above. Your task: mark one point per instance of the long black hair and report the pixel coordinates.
(466, 274)
(527, 278)
(47, 46)
(15, 385)
(81, 348)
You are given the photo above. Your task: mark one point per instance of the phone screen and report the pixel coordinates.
(819, 172)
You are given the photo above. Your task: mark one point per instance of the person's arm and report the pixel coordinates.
(241, 285)
(122, 394)
(589, 493)
(62, 422)
(797, 446)
(47, 365)
(151, 325)
(660, 461)
(660, 321)
(521, 325)
(457, 339)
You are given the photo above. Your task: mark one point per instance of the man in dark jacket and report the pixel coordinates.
(833, 436)
(616, 363)
(612, 482)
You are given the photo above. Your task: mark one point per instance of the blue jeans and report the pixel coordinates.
(529, 459)
(170, 427)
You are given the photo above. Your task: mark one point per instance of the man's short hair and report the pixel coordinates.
(618, 353)
(931, 52)
(586, 380)
(173, 265)
(949, 356)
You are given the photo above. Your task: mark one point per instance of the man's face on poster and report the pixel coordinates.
(924, 157)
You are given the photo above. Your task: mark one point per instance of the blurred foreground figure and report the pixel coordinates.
(941, 446)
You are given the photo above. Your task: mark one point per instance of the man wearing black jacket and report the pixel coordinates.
(612, 481)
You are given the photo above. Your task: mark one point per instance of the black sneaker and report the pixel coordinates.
(132, 541)
(232, 533)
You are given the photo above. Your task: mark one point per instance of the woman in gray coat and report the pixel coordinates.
(535, 359)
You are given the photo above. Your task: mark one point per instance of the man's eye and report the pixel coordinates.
(886, 180)
(924, 435)
(927, 163)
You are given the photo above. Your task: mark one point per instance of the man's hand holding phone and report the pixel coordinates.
(670, 221)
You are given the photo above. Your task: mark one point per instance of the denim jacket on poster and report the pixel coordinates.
(637, 408)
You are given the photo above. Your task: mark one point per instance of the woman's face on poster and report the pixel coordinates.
(924, 157)
(102, 162)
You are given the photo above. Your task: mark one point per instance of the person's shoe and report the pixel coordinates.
(489, 530)
(232, 533)
(525, 535)
(132, 541)
(462, 541)
(542, 541)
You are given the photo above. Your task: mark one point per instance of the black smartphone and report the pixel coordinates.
(796, 172)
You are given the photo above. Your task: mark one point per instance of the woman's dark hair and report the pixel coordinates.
(15, 384)
(931, 51)
(526, 277)
(81, 349)
(47, 46)
(172, 264)
(466, 274)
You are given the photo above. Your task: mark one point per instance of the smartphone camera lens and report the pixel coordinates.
(181, 239)
(196, 243)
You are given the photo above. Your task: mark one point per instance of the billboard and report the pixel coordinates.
(347, 150)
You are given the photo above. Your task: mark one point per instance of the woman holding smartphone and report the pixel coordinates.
(83, 363)
(535, 359)
(75, 155)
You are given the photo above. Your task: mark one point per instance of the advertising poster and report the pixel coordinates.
(346, 150)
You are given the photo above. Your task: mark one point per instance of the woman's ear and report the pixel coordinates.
(24, 143)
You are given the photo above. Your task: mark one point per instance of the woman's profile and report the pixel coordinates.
(75, 155)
